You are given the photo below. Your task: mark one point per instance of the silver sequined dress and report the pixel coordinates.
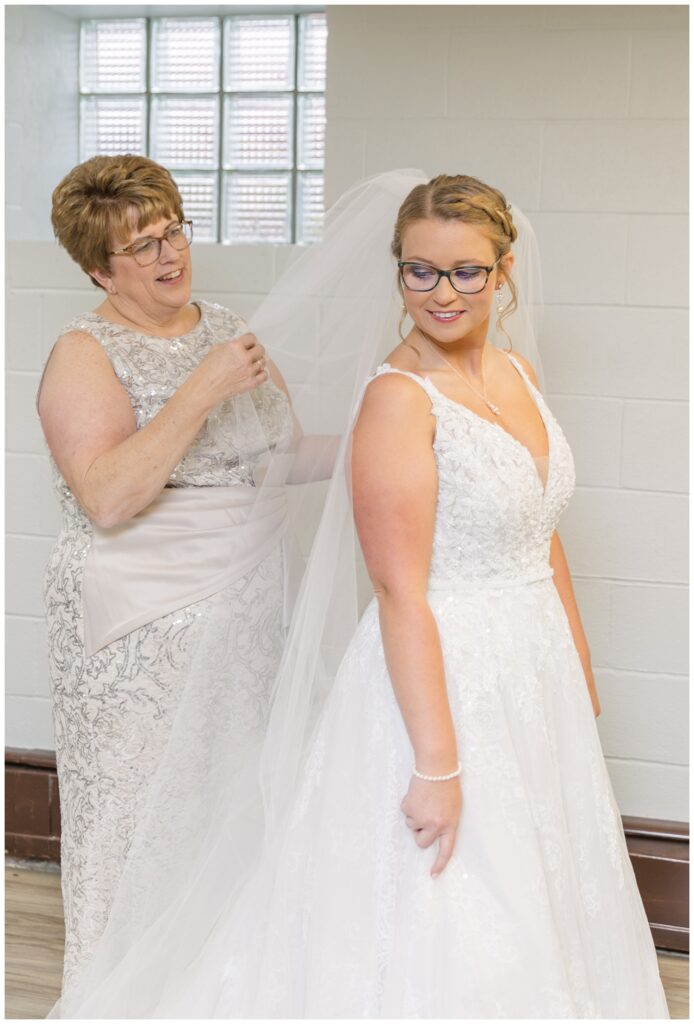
(113, 711)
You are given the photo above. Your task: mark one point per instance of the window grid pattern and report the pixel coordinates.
(234, 107)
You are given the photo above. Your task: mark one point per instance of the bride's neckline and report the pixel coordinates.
(497, 426)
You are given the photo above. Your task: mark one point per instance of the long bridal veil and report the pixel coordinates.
(201, 863)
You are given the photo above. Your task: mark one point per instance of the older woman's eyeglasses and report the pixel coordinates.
(147, 250)
(420, 277)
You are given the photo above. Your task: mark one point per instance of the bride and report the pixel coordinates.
(429, 829)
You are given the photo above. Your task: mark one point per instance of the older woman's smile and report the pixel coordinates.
(172, 275)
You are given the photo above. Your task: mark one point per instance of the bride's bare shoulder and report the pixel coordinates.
(395, 398)
(409, 389)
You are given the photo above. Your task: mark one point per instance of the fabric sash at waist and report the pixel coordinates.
(464, 583)
(187, 545)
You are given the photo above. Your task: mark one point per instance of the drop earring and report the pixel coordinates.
(403, 316)
(499, 312)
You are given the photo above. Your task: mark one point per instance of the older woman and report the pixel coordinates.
(143, 477)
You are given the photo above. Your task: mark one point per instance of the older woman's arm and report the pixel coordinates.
(113, 469)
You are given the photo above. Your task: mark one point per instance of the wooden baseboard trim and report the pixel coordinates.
(32, 805)
(671, 938)
(659, 850)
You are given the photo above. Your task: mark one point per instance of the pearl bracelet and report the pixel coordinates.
(439, 778)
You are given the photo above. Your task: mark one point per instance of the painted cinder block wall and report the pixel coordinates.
(579, 114)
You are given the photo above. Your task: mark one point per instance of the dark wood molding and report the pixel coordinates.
(656, 827)
(32, 805)
(30, 758)
(659, 850)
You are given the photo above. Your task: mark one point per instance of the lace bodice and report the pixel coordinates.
(494, 518)
(152, 368)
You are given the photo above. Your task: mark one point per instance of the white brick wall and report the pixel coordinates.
(579, 115)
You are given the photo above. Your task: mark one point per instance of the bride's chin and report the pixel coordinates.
(444, 335)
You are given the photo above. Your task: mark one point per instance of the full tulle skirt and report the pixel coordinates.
(537, 914)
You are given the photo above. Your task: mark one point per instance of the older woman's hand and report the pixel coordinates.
(232, 367)
(113, 469)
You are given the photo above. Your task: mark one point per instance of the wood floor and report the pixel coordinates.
(34, 949)
(34, 938)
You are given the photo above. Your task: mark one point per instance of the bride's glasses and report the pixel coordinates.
(420, 277)
(147, 250)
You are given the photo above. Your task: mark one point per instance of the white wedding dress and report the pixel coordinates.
(537, 914)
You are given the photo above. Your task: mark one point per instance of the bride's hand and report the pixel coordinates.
(432, 811)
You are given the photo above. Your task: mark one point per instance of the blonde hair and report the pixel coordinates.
(103, 198)
(469, 200)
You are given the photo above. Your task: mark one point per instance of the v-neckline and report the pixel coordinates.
(544, 489)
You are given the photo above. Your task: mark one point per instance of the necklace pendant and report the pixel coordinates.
(495, 408)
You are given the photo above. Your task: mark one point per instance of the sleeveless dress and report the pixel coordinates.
(113, 710)
(537, 914)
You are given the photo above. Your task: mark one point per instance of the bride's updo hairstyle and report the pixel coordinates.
(469, 200)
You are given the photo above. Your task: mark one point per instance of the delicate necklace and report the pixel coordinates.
(494, 408)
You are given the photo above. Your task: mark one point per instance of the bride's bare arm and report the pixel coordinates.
(394, 482)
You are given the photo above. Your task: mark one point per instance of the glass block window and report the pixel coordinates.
(233, 106)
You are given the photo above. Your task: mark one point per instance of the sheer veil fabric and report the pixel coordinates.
(202, 860)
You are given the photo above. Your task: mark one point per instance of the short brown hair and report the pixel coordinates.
(94, 204)
(469, 200)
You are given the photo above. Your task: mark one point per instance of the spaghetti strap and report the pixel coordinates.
(521, 369)
(384, 368)
(423, 382)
